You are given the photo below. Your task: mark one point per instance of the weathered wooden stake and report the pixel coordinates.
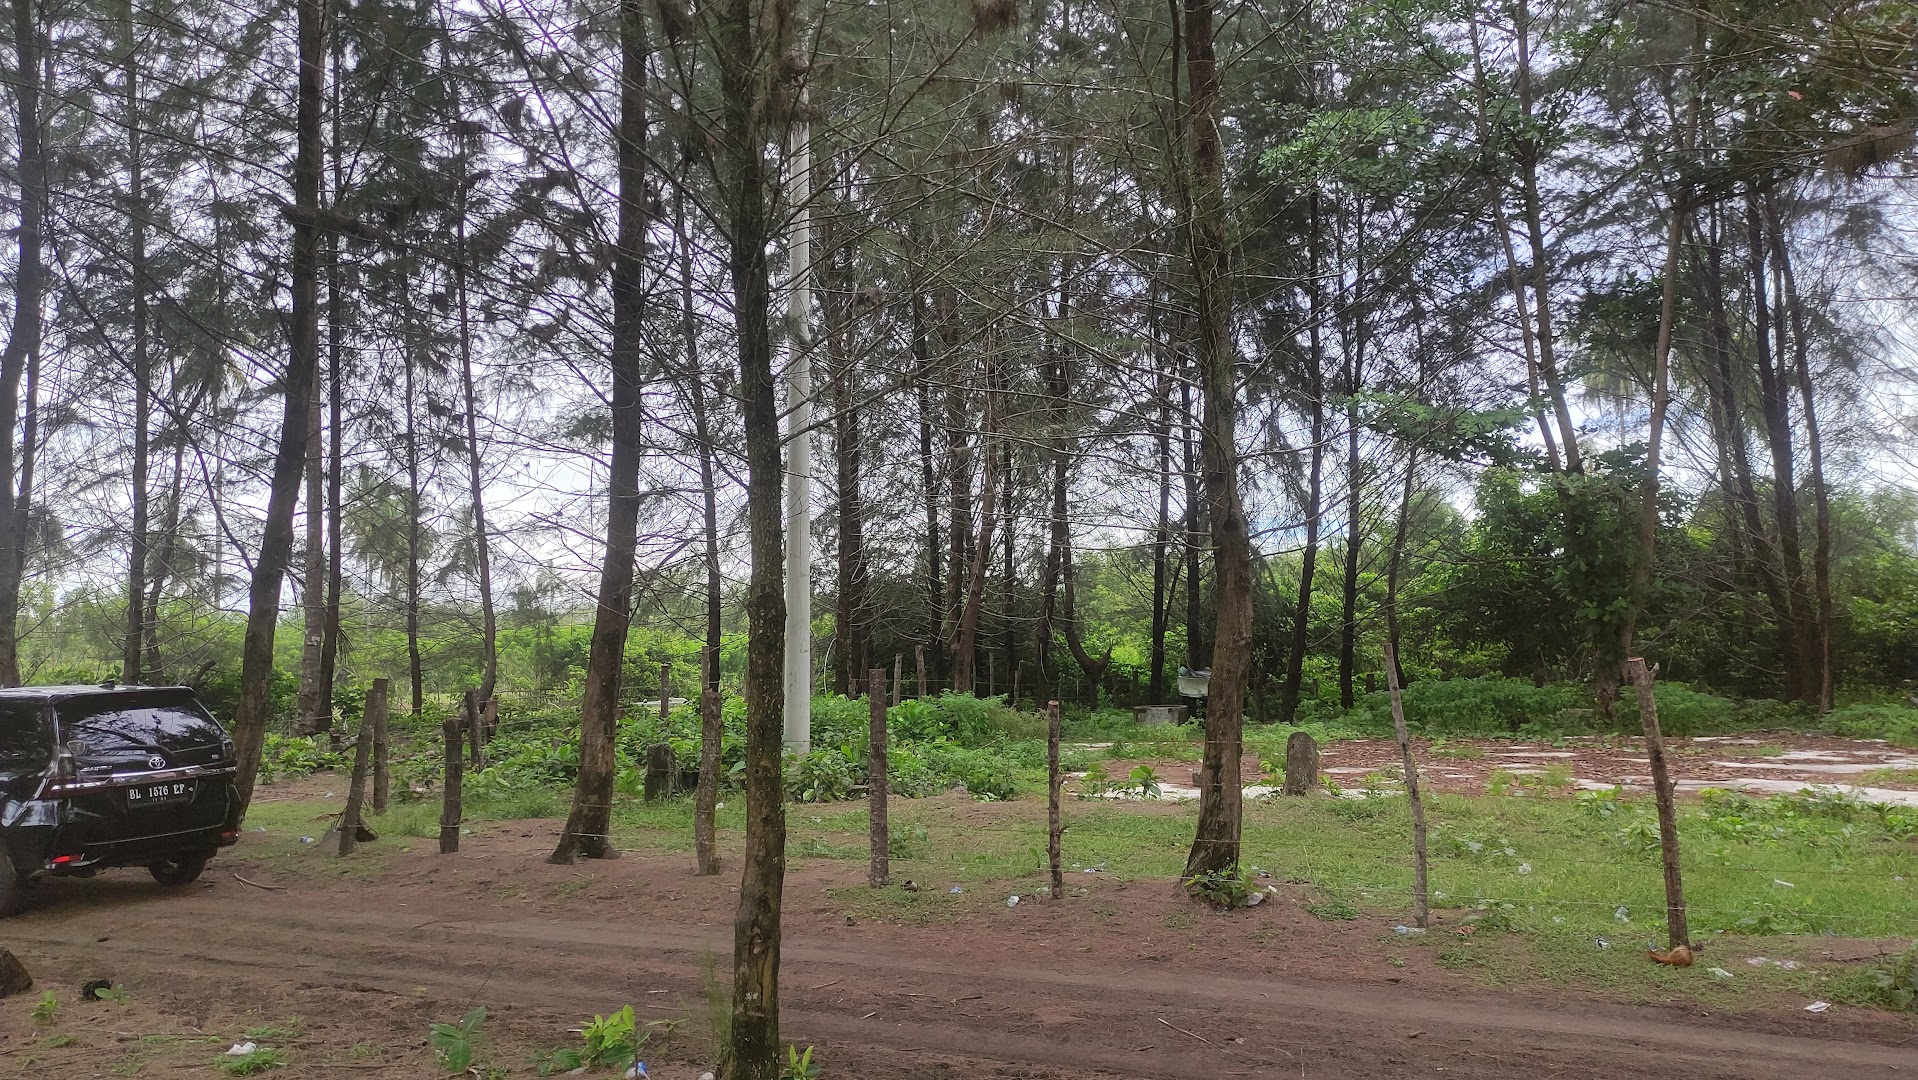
(1301, 764)
(450, 810)
(1054, 826)
(1421, 907)
(898, 673)
(489, 717)
(662, 771)
(356, 787)
(469, 708)
(14, 978)
(880, 830)
(706, 795)
(1641, 676)
(919, 688)
(375, 711)
(665, 689)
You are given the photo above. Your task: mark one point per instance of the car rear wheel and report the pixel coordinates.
(13, 888)
(180, 870)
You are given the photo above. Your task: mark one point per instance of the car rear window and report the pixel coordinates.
(24, 736)
(108, 724)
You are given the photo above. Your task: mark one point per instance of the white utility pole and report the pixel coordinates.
(798, 673)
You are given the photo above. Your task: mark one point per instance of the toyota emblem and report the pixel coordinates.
(155, 761)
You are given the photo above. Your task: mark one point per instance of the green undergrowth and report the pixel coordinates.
(1555, 888)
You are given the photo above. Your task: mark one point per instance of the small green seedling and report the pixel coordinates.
(615, 1039)
(1147, 780)
(612, 1040)
(112, 993)
(799, 1066)
(453, 1043)
(47, 1009)
(252, 1062)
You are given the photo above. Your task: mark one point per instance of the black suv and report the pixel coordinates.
(99, 776)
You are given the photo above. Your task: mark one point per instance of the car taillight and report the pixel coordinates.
(228, 750)
(61, 860)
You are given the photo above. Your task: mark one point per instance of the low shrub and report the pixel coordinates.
(1893, 723)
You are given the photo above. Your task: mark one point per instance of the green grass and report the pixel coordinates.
(1907, 777)
(1542, 876)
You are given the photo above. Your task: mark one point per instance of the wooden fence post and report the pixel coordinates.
(706, 795)
(469, 711)
(665, 689)
(375, 710)
(1421, 907)
(919, 688)
(1640, 676)
(662, 772)
(450, 809)
(1054, 826)
(880, 830)
(898, 673)
(356, 788)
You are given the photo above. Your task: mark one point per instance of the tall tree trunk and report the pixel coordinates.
(1527, 156)
(303, 356)
(587, 825)
(928, 480)
(139, 539)
(1642, 566)
(1819, 684)
(958, 482)
(1058, 537)
(965, 638)
(752, 39)
(702, 425)
(1315, 479)
(335, 416)
(1395, 560)
(1774, 390)
(851, 618)
(1743, 493)
(1198, 653)
(163, 562)
(475, 481)
(416, 674)
(1008, 649)
(23, 339)
(1354, 488)
(1215, 847)
(313, 577)
(1095, 670)
(1161, 544)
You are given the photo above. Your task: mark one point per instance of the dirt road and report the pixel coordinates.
(1094, 986)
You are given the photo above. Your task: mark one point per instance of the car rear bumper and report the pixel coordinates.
(89, 833)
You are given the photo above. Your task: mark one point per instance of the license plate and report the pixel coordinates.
(174, 791)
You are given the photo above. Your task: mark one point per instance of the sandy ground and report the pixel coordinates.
(1465, 766)
(1117, 979)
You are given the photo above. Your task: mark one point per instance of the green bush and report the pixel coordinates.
(911, 775)
(1683, 712)
(1892, 984)
(827, 774)
(984, 773)
(1484, 706)
(289, 756)
(1894, 723)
